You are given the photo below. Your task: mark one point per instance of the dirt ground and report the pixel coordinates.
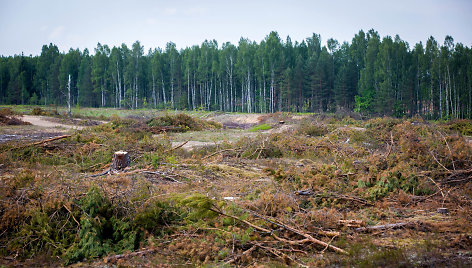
(43, 127)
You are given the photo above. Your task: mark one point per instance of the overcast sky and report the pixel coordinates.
(26, 25)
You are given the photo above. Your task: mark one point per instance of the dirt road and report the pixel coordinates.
(42, 121)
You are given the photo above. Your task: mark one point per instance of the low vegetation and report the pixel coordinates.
(315, 191)
(10, 118)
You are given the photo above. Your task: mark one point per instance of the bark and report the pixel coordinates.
(249, 106)
(68, 98)
(154, 97)
(120, 160)
(163, 90)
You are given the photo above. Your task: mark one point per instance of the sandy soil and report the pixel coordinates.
(237, 120)
(43, 121)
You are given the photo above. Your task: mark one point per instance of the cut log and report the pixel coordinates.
(120, 160)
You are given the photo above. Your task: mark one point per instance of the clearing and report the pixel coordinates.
(235, 189)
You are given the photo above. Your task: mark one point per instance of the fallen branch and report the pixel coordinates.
(44, 141)
(161, 174)
(221, 151)
(175, 148)
(282, 256)
(242, 254)
(106, 172)
(439, 163)
(72, 214)
(127, 255)
(51, 139)
(308, 238)
(390, 146)
(335, 195)
(384, 226)
(449, 148)
(351, 223)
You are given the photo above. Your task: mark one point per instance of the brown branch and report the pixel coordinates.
(384, 226)
(282, 256)
(308, 238)
(391, 145)
(161, 174)
(221, 151)
(44, 141)
(51, 139)
(71, 214)
(449, 148)
(127, 255)
(335, 195)
(439, 163)
(175, 148)
(240, 255)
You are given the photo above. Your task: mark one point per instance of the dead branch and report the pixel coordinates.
(351, 223)
(329, 243)
(106, 172)
(175, 148)
(221, 151)
(127, 255)
(71, 215)
(161, 174)
(261, 149)
(384, 226)
(449, 148)
(308, 238)
(390, 146)
(282, 256)
(335, 195)
(44, 141)
(439, 163)
(51, 139)
(251, 249)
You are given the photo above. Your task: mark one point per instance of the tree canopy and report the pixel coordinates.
(371, 75)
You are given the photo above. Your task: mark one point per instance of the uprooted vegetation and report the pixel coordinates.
(327, 192)
(10, 118)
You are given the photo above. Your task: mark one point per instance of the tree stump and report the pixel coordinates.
(120, 160)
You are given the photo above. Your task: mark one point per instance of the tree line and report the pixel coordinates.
(371, 75)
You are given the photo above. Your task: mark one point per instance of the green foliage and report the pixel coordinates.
(261, 127)
(393, 181)
(181, 123)
(462, 126)
(155, 216)
(44, 233)
(201, 206)
(101, 231)
(368, 255)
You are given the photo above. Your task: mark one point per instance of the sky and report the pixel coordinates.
(27, 25)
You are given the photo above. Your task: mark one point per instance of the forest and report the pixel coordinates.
(371, 75)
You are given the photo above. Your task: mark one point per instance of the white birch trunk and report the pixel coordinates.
(249, 106)
(163, 90)
(68, 98)
(154, 97)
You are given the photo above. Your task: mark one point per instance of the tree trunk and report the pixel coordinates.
(120, 160)
(68, 98)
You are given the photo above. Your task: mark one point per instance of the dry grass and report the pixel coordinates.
(351, 174)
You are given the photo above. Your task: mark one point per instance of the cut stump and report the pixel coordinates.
(120, 160)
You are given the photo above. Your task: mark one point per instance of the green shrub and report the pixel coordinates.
(101, 231)
(181, 123)
(462, 126)
(311, 129)
(154, 216)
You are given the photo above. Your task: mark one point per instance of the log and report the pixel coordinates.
(384, 226)
(120, 160)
